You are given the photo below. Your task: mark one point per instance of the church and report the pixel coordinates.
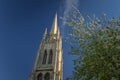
(49, 63)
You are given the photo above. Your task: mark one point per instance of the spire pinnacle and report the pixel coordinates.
(45, 31)
(54, 25)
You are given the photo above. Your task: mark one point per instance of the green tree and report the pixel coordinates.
(96, 43)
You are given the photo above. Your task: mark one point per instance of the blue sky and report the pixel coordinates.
(22, 23)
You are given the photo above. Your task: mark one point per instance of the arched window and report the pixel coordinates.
(44, 57)
(47, 76)
(39, 77)
(50, 57)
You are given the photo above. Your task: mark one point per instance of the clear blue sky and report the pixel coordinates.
(22, 23)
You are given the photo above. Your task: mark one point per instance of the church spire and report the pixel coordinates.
(48, 62)
(54, 25)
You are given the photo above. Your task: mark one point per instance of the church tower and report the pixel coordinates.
(48, 63)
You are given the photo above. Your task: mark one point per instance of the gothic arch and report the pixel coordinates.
(47, 76)
(44, 57)
(39, 77)
(50, 57)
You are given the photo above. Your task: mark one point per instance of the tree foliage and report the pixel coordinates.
(96, 42)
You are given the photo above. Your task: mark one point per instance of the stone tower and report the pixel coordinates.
(48, 63)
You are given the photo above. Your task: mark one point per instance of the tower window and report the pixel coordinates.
(47, 76)
(39, 77)
(44, 57)
(50, 57)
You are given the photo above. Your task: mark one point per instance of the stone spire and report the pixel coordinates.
(48, 62)
(54, 25)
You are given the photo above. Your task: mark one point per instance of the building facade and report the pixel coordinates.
(48, 63)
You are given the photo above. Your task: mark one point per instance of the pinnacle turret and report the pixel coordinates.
(45, 33)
